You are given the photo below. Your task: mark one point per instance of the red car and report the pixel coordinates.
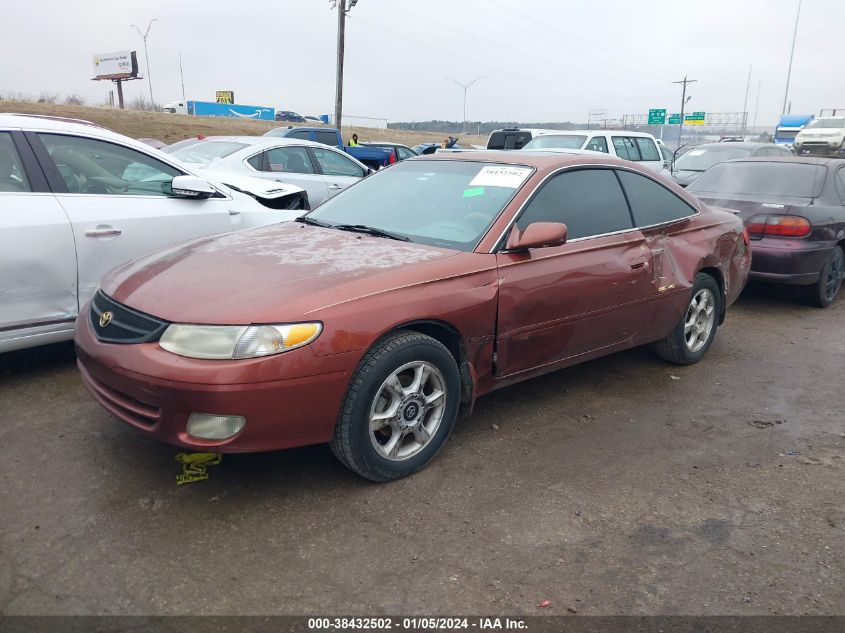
(371, 321)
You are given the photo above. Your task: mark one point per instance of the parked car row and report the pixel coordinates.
(371, 320)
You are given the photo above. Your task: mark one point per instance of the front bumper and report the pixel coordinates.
(820, 148)
(785, 261)
(156, 392)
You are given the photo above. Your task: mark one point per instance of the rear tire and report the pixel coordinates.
(399, 408)
(823, 293)
(692, 336)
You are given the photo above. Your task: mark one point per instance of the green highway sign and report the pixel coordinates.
(675, 119)
(657, 116)
(696, 118)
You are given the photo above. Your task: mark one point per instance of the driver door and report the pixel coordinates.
(117, 202)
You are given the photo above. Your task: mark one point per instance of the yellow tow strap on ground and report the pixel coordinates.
(195, 466)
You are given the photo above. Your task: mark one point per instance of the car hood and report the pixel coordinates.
(284, 272)
(266, 189)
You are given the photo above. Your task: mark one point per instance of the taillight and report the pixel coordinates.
(392, 158)
(778, 226)
(745, 237)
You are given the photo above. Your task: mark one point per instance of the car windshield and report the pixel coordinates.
(827, 123)
(788, 180)
(557, 141)
(450, 204)
(703, 158)
(207, 151)
(169, 149)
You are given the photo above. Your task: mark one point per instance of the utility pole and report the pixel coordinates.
(144, 36)
(340, 5)
(182, 75)
(791, 55)
(745, 103)
(465, 86)
(683, 81)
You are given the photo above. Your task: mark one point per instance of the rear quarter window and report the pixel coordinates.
(652, 203)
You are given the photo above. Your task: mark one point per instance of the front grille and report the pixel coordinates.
(124, 325)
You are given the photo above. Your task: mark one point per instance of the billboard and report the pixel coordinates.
(237, 111)
(120, 65)
(225, 96)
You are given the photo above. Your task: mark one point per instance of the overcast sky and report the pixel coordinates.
(542, 60)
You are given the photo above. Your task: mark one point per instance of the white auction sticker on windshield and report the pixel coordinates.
(500, 176)
(696, 152)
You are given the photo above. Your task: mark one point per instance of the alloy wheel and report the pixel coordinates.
(407, 410)
(699, 321)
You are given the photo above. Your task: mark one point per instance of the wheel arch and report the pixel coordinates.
(453, 340)
(717, 275)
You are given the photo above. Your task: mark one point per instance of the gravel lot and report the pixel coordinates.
(623, 486)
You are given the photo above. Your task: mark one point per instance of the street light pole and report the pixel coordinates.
(465, 87)
(144, 36)
(756, 105)
(745, 103)
(791, 55)
(182, 75)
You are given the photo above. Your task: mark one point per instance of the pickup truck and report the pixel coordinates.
(373, 157)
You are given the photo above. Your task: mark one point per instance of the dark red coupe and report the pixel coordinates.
(370, 322)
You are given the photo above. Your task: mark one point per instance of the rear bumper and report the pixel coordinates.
(786, 261)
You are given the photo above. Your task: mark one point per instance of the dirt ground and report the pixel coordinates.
(176, 127)
(622, 486)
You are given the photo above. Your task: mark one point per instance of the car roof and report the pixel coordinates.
(541, 159)
(265, 141)
(598, 132)
(745, 144)
(47, 122)
(802, 160)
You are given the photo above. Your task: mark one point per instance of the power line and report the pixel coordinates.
(563, 89)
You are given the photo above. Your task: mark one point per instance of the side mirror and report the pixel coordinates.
(537, 235)
(191, 187)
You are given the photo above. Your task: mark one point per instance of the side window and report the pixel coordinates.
(840, 183)
(290, 159)
(648, 150)
(12, 177)
(100, 167)
(652, 203)
(404, 153)
(334, 164)
(597, 144)
(300, 134)
(257, 161)
(589, 201)
(326, 138)
(625, 148)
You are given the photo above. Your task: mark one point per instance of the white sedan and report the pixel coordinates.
(77, 200)
(321, 170)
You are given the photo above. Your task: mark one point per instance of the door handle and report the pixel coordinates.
(103, 232)
(335, 187)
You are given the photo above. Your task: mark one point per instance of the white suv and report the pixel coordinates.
(822, 137)
(636, 146)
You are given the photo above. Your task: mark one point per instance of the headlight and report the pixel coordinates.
(221, 342)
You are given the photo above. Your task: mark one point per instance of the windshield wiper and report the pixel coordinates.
(371, 230)
(306, 220)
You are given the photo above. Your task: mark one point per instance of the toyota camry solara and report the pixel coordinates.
(372, 321)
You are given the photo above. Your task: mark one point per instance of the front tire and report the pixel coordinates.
(399, 408)
(823, 293)
(692, 336)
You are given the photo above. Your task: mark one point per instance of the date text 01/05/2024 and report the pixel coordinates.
(416, 623)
